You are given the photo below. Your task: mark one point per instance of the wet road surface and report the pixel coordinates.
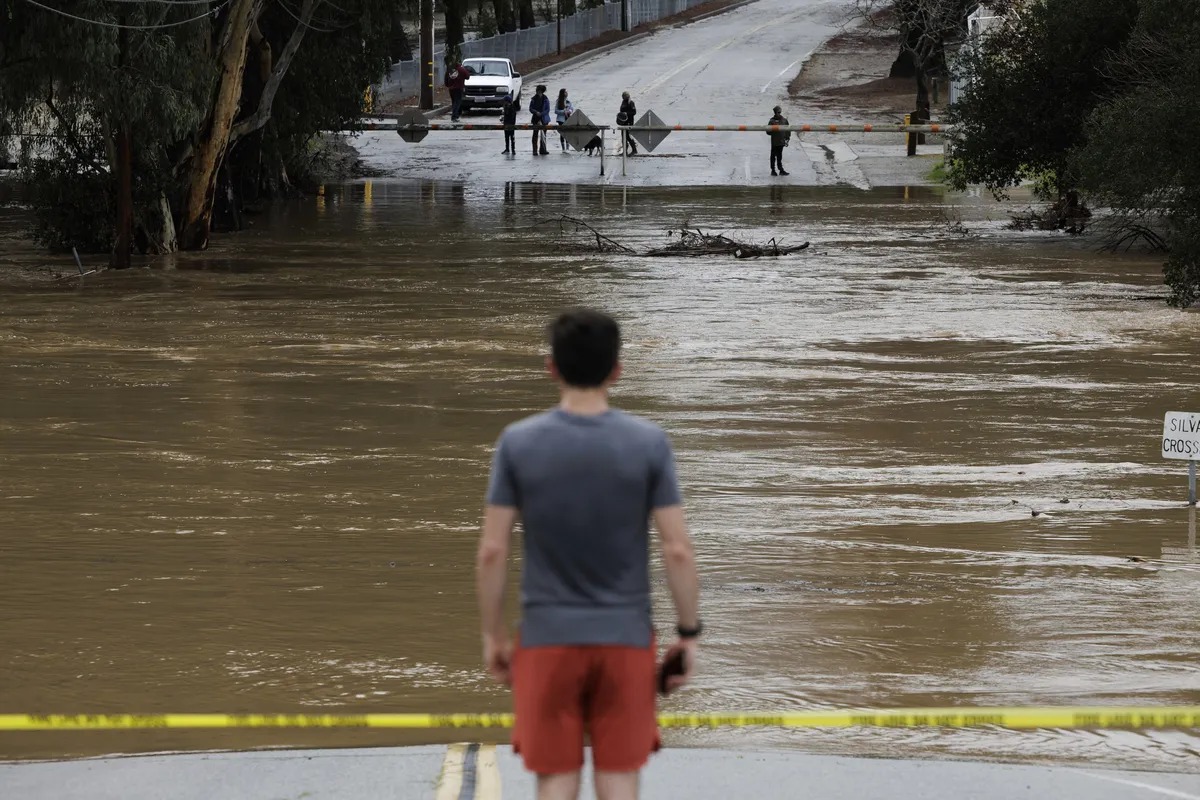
(728, 69)
(488, 773)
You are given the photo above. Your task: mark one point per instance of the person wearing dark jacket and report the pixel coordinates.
(779, 140)
(539, 109)
(509, 116)
(456, 82)
(626, 116)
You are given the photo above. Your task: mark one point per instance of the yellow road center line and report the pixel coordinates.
(450, 780)
(487, 781)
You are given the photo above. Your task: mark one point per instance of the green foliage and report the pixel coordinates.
(72, 83)
(1094, 97)
(77, 81)
(485, 23)
(1032, 84)
(71, 208)
(1142, 154)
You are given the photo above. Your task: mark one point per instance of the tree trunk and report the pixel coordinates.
(123, 150)
(156, 229)
(506, 20)
(922, 115)
(214, 139)
(124, 244)
(400, 46)
(455, 11)
(911, 22)
(525, 12)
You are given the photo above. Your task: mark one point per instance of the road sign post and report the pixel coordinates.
(1181, 441)
(1191, 483)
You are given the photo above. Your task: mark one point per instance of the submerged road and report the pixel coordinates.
(474, 772)
(730, 69)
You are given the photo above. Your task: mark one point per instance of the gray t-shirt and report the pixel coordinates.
(584, 487)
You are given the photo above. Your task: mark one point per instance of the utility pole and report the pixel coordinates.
(625, 15)
(559, 22)
(426, 54)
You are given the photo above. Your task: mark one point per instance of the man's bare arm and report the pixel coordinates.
(491, 574)
(679, 557)
(491, 568)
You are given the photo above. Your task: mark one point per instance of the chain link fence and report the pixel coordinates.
(531, 43)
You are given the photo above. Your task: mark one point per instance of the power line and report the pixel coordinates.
(283, 4)
(165, 2)
(60, 12)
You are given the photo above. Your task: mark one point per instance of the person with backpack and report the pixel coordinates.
(779, 140)
(626, 116)
(508, 113)
(539, 110)
(456, 82)
(563, 109)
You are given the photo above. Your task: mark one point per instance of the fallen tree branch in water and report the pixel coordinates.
(603, 243)
(692, 243)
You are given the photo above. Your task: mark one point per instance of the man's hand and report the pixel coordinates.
(497, 657)
(690, 649)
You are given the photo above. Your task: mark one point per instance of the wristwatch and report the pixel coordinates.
(690, 633)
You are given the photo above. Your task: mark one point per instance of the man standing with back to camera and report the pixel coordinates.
(585, 480)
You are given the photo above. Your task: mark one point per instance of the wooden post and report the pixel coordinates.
(427, 55)
(625, 15)
(910, 138)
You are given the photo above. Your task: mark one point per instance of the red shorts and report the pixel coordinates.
(606, 691)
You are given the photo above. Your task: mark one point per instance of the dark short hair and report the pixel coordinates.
(585, 345)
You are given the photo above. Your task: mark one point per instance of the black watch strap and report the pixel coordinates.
(690, 633)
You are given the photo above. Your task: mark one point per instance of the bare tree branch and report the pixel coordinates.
(262, 114)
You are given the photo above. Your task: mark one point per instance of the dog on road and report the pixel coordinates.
(595, 144)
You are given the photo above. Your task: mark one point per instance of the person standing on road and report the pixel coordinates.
(585, 480)
(508, 113)
(456, 82)
(779, 140)
(563, 109)
(626, 116)
(539, 109)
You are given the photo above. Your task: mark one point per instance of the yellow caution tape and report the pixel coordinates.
(1128, 718)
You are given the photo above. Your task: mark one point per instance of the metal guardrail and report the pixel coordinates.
(839, 128)
(649, 131)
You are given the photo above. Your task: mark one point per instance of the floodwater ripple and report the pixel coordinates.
(921, 469)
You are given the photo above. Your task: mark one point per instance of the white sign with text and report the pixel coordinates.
(1181, 436)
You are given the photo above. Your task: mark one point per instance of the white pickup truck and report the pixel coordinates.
(490, 79)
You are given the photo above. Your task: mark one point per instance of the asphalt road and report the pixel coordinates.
(440, 773)
(728, 69)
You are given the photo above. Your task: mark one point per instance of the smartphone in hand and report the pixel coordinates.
(672, 665)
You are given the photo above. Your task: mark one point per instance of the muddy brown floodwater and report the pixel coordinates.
(251, 483)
